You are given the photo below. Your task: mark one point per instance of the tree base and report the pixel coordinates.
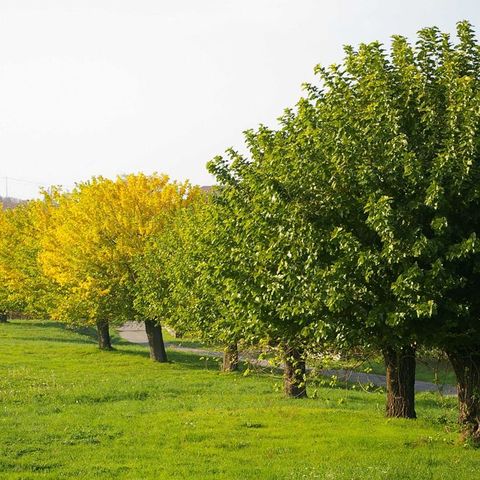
(155, 341)
(400, 366)
(294, 376)
(230, 358)
(466, 365)
(103, 333)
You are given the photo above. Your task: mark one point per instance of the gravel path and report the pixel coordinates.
(135, 333)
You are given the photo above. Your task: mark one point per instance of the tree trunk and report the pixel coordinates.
(400, 366)
(230, 358)
(103, 333)
(294, 373)
(467, 370)
(155, 341)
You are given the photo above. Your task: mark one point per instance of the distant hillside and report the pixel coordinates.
(10, 202)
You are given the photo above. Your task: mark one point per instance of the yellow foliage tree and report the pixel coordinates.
(99, 231)
(23, 287)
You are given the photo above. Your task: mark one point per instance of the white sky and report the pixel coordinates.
(109, 87)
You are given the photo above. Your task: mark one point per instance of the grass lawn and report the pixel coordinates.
(68, 410)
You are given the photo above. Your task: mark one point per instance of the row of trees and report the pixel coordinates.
(74, 256)
(354, 224)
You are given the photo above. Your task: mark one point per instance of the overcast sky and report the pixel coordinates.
(110, 87)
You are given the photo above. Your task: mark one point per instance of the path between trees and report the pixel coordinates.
(135, 333)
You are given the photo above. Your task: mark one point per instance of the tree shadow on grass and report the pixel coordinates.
(117, 340)
(191, 360)
(14, 322)
(82, 341)
(49, 324)
(182, 359)
(89, 333)
(436, 400)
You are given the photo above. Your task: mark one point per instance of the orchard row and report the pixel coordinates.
(352, 225)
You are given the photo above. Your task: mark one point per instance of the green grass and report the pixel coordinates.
(68, 410)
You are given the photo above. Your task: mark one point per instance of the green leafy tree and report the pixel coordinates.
(269, 256)
(178, 281)
(390, 141)
(380, 161)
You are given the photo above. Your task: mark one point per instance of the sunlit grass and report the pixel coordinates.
(68, 410)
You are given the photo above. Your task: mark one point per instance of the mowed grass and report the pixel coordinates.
(68, 410)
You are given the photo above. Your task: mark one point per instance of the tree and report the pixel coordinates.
(395, 137)
(178, 282)
(71, 256)
(268, 262)
(453, 194)
(371, 168)
(24, 288)
(99, 232)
